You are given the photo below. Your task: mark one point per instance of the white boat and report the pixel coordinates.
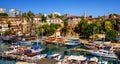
(94, 59)
(73, 42)
(40, 56)
(103, 62)
(33, 51)
(103, 53)
(55, 56)
(77, 59)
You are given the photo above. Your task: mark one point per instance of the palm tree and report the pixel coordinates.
(65, 29)
(9, 24)
(29, 17)
(0, 29)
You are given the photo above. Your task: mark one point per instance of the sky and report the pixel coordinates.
(73, 7)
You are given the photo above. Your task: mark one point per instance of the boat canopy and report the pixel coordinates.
(28, 51)
(117, 39)
(78, 58)
(35, 47)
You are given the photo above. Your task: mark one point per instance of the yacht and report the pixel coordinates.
(103, 53)
(77, 59)
(73, 42)
(33, 51)
(103, 62)
(56, 56)
(40, 56)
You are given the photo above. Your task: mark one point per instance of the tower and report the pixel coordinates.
(84, 14)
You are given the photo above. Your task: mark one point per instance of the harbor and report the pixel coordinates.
(48, 52)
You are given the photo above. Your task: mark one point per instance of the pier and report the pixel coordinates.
(80, 50)
(19, 58)
(27, 59)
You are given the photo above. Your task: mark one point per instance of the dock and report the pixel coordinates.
(20, 58)
(80, 50)
(26, 60)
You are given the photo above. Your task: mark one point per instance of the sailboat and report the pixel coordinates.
(34, 50)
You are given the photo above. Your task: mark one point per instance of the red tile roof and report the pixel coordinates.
(2, 23)
(55, 18)
(37, 16)
(69, 16)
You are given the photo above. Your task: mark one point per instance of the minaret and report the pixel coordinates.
(84, 14)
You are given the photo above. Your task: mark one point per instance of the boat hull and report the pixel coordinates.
(103, 55)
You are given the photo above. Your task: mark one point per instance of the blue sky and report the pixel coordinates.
(73, 7)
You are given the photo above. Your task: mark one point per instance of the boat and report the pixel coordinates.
(73, 42)
(40, 56)
(56, 56)
(23, 43)
(77, 59)
(103, 62)
(103, 53)
(94, 59)
(33, 51)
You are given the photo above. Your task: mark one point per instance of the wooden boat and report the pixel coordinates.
(33, 51)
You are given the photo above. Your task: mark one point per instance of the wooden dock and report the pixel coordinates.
(81, 50)
(20, 58)
(27, 59)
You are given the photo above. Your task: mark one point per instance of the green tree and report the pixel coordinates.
(47, 30)
(43, 18)
(8, 32)
(30, 16)
(56, 26)
(108, 25)
(65, 29)
(0, 29)
(9, 24)
(111, 35)
(51, 16)
(3, 14)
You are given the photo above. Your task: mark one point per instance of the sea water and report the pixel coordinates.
(54, 48)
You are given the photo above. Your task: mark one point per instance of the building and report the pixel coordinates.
(54, 20)
(56, 13)
(84, 14)
(2, 10)
(72, 18)
(4, 26)
(14, 12)
(37, 18)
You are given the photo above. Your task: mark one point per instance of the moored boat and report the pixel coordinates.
(103, 53)
(33, 51)
(56, 56)
(103, 62)
(73, 42)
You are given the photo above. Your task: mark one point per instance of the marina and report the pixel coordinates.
(49, 51)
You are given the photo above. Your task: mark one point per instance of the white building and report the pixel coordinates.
(13, 12)
(4, 26)
(54, 20)
(56, 13)
(72, 18)
(37, 18)
(2, 10)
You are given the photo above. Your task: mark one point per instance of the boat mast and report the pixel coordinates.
(37, 39)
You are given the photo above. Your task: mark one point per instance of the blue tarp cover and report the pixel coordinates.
(27, 51)
(35, 47)
(118, 39)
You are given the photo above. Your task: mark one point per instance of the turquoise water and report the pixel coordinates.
(53, 48)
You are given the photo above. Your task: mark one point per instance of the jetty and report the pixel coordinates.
(80, 50)
(27, 60)
(19, 58)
